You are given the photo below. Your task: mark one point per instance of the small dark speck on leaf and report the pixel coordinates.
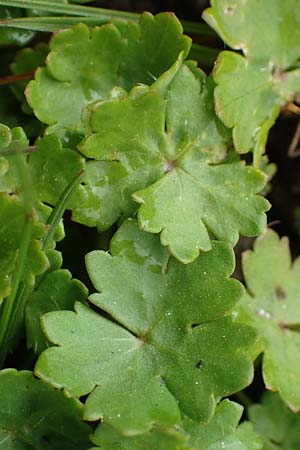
(229, 9)
(279, 293)
(199, 364)
(162, 382)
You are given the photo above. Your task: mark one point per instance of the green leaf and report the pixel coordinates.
(252, 87)
(166, 139)
(12, 116)
(84, 69)
(139, 247)
(13, 142)
(5, 136)
(52, 168)
(224, 209)
(165, 326)
(272, 306)
(55, 291)
(13, 145)
(275, 423)
(107, 439)
(26, 62)
(223, 431)
(84, 65)
(34, 416)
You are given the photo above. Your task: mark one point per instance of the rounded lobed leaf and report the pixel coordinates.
(275, 423)
(57, 290)
(252, 88)
(272, 306)
(84, 65)
(169, 167)
(164, 326)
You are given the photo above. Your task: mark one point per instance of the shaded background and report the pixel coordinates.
(185, 9)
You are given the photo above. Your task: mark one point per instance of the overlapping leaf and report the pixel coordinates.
(165, 326)
(167, 140)
(272, 305)
(252, 88)
(12, 143)
(52, 168)
(26, 61)
(85, 65)
(34, 416)
(56, 290)
(139, 247)
(21, 176)
(275, 423)
(106, 439)
(222, 432)
(12, 116)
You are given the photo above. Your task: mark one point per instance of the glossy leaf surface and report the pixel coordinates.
(166, 324)
(52, 168)
(56, 290)
(222, 432)
(26, 62)
(167, 140)
(85, 65)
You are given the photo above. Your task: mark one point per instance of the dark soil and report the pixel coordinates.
(184, 9)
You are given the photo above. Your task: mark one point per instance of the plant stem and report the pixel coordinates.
(8, 307)
(49, 24)
(70, 9)
(9, 303)
(14, 78)
(58, 211)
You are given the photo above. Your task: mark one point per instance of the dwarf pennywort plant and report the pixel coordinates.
(120, 123)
